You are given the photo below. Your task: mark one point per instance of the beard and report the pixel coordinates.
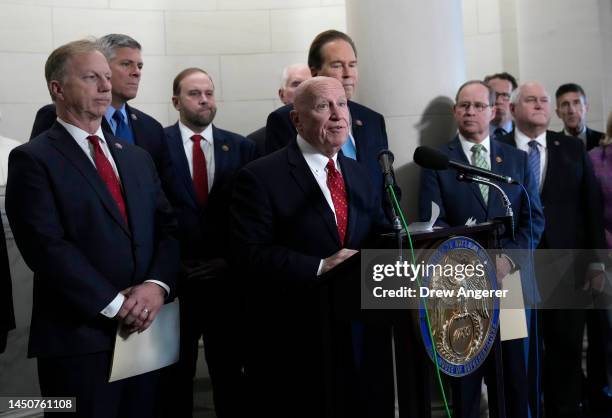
(199, 119)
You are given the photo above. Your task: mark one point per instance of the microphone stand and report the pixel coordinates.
(395, 221)
(509, 218)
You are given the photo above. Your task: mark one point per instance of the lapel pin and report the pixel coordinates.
(498, 159)
(557, 143)
(224, 147)
(358, 122)
(133, 116)
(118, 145)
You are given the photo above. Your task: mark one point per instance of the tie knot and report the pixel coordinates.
(533, 144)
(331, 166)
(477, 148)
(197, 138)
(93, 139)
(118, 116)
(499, 132)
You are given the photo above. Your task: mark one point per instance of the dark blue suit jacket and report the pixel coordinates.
(570, 195)
(7, 316)
(459, 201)
(203, 232)
(148, 134)
(368, 129)
(71, 234)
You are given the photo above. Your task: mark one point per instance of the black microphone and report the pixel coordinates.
(428, 157)
(385, 159)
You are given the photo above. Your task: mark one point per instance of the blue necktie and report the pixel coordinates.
(533, 158)
(499, 132)
(348, 149)
(122, 130)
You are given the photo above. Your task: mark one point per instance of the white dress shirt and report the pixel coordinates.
(317, 163)
(207, 145)
(522, 143)
(80, 136)
(467, 145)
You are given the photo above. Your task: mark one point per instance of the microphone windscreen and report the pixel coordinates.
(385, 153)
(428, 157)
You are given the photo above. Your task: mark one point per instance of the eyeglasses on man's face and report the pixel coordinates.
(478, 106)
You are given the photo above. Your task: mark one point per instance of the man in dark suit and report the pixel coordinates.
(91, 221)
(333, 54)
(572, 208)
(296, 214)
(572, 108)
(460, 201)
(120, 119)
(7, 315)
(291, 78)
(502, 84)
(205, 159)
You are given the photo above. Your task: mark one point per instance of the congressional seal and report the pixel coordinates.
(463, 326)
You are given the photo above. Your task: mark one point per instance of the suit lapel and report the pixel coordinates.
(497, 166)
(134, 124)
(304, 178)
(354, 195)
(68, 147)
(456, 153)
(222, 154)
(180, 163)
(553, 170)
(128, 175)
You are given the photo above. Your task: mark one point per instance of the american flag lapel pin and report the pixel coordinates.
(358, 122)
(118, 145)
(133, 116)
(498, 159)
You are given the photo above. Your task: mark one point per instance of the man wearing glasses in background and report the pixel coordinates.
(502, 84)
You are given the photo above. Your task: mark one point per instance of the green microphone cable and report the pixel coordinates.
(433, 344)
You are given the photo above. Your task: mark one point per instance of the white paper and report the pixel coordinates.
(426, 226)
(156, 347)
(512, 319)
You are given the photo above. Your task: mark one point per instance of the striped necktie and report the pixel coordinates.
(533, 159)
(479, 160)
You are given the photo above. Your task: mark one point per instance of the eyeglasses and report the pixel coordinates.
(478, 106)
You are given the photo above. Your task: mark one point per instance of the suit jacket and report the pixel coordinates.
(570, 195)
(203, 232)
(259, 137)
(459, 201)
(282, 228)
(73, 237)
(148, 134)
(592, 138)
(368, 129)
(7, 315)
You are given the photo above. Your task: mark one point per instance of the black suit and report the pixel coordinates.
(282, 228)
(210, 307)
(259, 137)
(7, 316)
(148, 134)
(73, 237)
(592, 138)
(573, 211)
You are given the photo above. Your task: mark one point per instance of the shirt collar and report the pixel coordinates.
(110, 111)
(315, 160)
(522, 140)
(467, 145)
(581, 134)
(80, 135)
(187, 133)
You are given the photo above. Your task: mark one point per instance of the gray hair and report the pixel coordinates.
(285, 73)
(108, 44)
(515, 96)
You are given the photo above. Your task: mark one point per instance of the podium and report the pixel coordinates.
(342, 288)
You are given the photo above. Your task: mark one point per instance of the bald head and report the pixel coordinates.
(321, 114)
(530, 107)
(292, 76)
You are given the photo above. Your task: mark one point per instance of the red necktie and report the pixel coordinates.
(106, 172)
(335, 183)
(200, 175)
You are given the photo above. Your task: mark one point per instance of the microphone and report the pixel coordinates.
(428, 157)
(385, 159)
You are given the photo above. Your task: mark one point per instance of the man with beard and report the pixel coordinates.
(205, 159)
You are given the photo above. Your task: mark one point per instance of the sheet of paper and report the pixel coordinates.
(512, 319)
(156, 347)
(426, 226)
